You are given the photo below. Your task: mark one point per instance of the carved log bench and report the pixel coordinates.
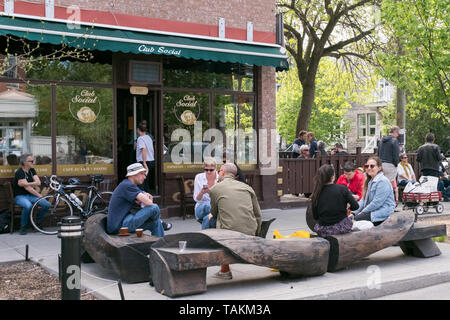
(127, 256)
(176, 273)
(418, 241)
(415, 239)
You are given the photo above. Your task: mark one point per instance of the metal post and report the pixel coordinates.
(70, 232)
(119, 283)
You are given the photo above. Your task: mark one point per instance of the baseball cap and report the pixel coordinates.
(134, 169)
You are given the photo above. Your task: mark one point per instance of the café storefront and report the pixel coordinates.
(80, 117)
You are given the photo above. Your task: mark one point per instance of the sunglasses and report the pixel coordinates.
(371, 166)
(209, 170)
(30, 161)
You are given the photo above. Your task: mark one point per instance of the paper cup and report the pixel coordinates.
(139, 232)
(182, 245)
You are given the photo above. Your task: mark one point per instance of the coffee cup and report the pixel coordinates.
(139, 232)
(123, 231)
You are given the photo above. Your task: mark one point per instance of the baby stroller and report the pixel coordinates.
(423, 195)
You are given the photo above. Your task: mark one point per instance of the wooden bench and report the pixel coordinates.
(418, 241)
(176, 273)
(126, 256)
(415, 239)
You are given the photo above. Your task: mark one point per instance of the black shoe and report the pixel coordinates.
(23, 231)
(166, 226)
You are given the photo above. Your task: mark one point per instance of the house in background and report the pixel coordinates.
(366, 119)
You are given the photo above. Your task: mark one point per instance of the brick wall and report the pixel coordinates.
(235, 12)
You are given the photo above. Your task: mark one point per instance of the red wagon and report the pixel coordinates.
(421, 202)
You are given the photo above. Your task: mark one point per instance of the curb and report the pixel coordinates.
(386, 289)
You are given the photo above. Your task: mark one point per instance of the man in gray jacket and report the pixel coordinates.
(235, 206)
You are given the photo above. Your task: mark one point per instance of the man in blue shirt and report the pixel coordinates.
(123, 199)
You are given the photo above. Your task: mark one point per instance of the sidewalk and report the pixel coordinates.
(385, 272)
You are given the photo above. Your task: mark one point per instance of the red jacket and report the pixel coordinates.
(355, 185)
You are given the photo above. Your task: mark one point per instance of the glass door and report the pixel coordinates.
(132, 110)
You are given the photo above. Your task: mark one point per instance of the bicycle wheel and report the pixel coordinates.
(59, 208)
(100, 202)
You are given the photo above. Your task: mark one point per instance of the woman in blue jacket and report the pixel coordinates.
(378, 201)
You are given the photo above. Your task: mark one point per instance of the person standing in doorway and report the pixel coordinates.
(145, 155)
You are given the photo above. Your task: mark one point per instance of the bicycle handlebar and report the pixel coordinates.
(54, 183)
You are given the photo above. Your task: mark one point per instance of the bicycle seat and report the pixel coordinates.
(74, 181)
(97, 178)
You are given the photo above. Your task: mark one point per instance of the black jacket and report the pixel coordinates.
(389, 150)
(429, 156)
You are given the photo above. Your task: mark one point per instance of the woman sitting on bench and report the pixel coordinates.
(329, 204)
(377, 202)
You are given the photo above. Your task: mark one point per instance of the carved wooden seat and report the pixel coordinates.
(415, 239)
(127, 256)
(176, 273)
(418, 241)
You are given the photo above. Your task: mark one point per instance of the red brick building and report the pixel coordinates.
(192, 65)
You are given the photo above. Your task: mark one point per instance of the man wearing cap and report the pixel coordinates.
(123, 199)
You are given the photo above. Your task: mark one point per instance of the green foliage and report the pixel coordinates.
(334, 89)
(417, 127)
(419, 30)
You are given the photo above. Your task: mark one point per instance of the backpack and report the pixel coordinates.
(5, 218)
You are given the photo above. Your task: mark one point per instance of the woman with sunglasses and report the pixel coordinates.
(203, 182)
(25, 181)
(377, 202)
(329, 204)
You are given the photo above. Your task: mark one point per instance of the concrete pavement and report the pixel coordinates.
(383, 273)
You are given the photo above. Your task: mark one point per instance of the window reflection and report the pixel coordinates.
(84, 131)
(25, 128)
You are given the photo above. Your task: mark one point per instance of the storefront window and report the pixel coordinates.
(71, 71)
(186, 118)
(225, 120)
(84, 131)
(25, 127)
(183, 73)
(246, 135)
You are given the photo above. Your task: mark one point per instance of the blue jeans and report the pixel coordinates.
(403, 183)
(201, 213)
(147, 218)
(26, 202)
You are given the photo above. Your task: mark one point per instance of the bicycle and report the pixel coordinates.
(63, 202)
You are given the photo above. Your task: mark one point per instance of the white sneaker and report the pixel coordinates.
(223, 275)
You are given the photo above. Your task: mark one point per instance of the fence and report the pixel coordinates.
(296, 176)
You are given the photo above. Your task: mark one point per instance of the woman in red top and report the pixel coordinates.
(352, 179)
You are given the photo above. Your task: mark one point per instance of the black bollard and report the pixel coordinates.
(70, 232)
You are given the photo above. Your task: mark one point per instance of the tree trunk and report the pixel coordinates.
(304, 115)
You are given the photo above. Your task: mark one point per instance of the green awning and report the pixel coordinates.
(115, 40)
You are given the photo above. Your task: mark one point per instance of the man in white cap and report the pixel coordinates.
(125, 196)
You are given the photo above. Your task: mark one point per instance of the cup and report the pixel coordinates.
(139, 232)
(123, 231)
(182, 245)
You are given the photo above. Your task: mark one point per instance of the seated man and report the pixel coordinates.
(352, 179)
(123, 199)
(25, 180)
(235, 206)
